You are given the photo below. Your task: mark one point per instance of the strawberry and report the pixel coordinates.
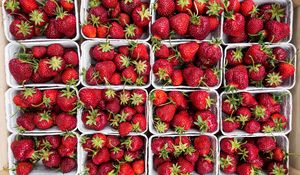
(254, 26)
(243, 115)
(102, 52)
(234, 57)
(279, 53)
(116, 31)
(125, 128)
(98, 14)
(110, 3)
(141, 16)
(248, 8)
(25, 122)
(201, 100)
(12, 6)
(105, 69)
(92, 77)
(102, 31)
(183, 6)
(256, 54)
(229, 124)
(89, 30)
(280, 121)
(117, 153)
(90, 97)
(138, 97)
(138, 166)
(286, 70)
(70, 76)
(252, 126)
(209, 54)
(266, 144)
(54, 140)
(101, 156)
(159, 97)
(277, 168)
(199, 27)
(39, 51)
(177, 78)
(128, 6)
(202, 144)
(125, 169)
(247, 99)
(28, 6)
(124, 19)
(66, 23)
(193, 76)
(71, 58)
(273, 79)
(166, 113)
(165, 8)
(162, 51)
(199, 6)
(90, 168)
(105, 168)
(178, 99)
(167, 168)
(278, 154)
(214, 22)
(65, 122)
(20, 70)
(31, 96)
(228, 163)
(43, 120)
(161, 28)
(67, 5)
(277, 31)
(234, 5)
(51, 159)
(181, 122)
(230, 145)
(38, 17)
(99, 141)
(249, 152)
(51, 31)
(133, 32)
(94, 119)
(50, 7)
(257, 72)
(21, 29)
(139, 51)
(188, 51)
(205, 166)
(69, 140)
(211, 77)
(238, 39)
(23, 149)
(185, 166)
(50, 67)
(206, 121)
(162, 69)
(24, 168)
(234, 25)
(246, 168)
(67, 165)
(67, 100)
(260, 113)
(237, 75)
(139, 123)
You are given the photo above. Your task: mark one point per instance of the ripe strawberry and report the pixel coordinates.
(162, 51)
(248, 8)
(110, 3)
(185, 165)
(162, 69)
(139, 123)
(280, 54)
(166, 113)
(234, 25)
(178, 99)
(133, 32)
(266, 144)
(237, 75)
(199, 27)
(43, 120)
(177, 78)
(277, 31)
(256, 54)
(138, 166)
(20, 70)
(228, 163)
(12, 6)
(159, 97)
(286, 70)
(141, 16)
(67, 5)
(101, 156)
(125, 128)
(50, 67)
(182, 122)
(54, 140)
(128, 6)
(234, 57)
(51, 31)
(209, 54)
(102, 31)
(245, 168)
(233, 5)
(21, 29)
(102, 52)
(65, 122)
(39, 51)
(67, 165)
(24, 168)
(188, 51)
(201, 100)
(214, 22)
(38, 17)
(229, 124)
(203, 145)
(124, 19)
(105, 168)
(116, 153)
(99, 13)
(205, 166)
(277, 168)
(211, 77)
(90, 167)
(125, 169)
(249, 152)
(183, 6)
(51, 159)
(69, 140)
(193, 76)
(139, 51)
(66, 24)
(206, 121)
(138, 97)
(28, 6)
(89, 30)
(252, 126)
(243, 115)
(90, 97)
(25, 122)
(116, 31)
(105, 69)
(238, 39)
(161, 28)
(247, 99)
(71, 58)
(50, 7)
(278, 154)
(166, 168)
(67, 100)
(70, 76)
(165, 8)
(230, 145)
(257, 72)
(260, 113)
(280, 121)
(254, 25)
(273, 79)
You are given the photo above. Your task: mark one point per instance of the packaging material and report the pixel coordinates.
(39, 169)
(286, 110)
(83, 154)
(84, 14)
(292, 54)
(7, 20)
(215, 151)
(12, 48)
(219, 66)
(289, 12)
(282, 142)
(12, 112)
(108, 129)
(214, 109)
(86, 61)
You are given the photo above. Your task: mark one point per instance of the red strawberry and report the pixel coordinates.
(166, 113)
(277, 31)
(98, 12)
(66, 24)
(128, 6)
(28, 5)
(141, 16)
(65, 122)
(50, 67)
(248, 8)
(280, 121)
(67, 5)
(51, 159)
(21, 29)
(234, 25)
(124, 20)
(233, 5)
(67, 165)
(188, 51)
(286, 70)
(38, 17)
(185, 166)
(116, 31)
(211, 77)
(139, 51)
(159, 97)
(247, 99)
(110, 3)
(279, 53)
(90, 97)
(105, 168)
(89, 30)
(237, 75)
(209, 54)
(25, 122)
(182, 122)
(254, 26)
(101, 156)
(199, 27)
(139, 123)
(125, 169)
(177, 78)
(20, 70)
(71, 58)
(201, 100)
(105, 69)
(277, 168)
(116, 153)
(90, 167)
(193, 76)
(102, 31)
(230, 145)
(102, 52)
(266, 144)
(229, 124)
(252, 126)
(165, 7)
(162, 51)
(243, 115)
(245, 169)
(273, 79)
(39, 51)
(249, 152)
(23, 149)
(162, 69)
(228, 163)
(205, 166)
(238, 39)
(125, 128)
(70, 76)
(138, 166)
(94, 119)
(257, 72)
(24, 168)
(67, 100)
(69, 140)
(184, 5)
(43, 120)
(178, 99)
(256, 54)
(206, 121)
(161, 28)
(234, 57)
(50, 7)
(261, 113)
(278, 154)
(51, 31)
(180, 23)
(54, 140)
(203, 145)
(92, 77)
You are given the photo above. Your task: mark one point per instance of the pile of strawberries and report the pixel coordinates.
(55, 152)
(110, 154)
(44, 109)
(194, 19)
(183, 111)
(45, 64)
(251, 113)
(32, 19)
(252, 155)
(183, 155)
(123, 65)
(117, 19)
(246, 21)
(188, 64)
(123, 110)
(258, 66)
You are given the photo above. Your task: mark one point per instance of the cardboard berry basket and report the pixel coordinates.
(83, 154)
(282, 142)
(286, 107)
(12, 112)
(84, 15)
(39, 168)
(289, 12)
(108, 129)
(13, 48)
(214, 109)
(177, 38)
(292, 55)
(215, 151)
(7, 20)
(169, 44)
(86, 61)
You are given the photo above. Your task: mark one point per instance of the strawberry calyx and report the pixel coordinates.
(127, 143)
(254, 11)
(179, 149)
(105, 47)
(180, 130)
(122, 116)
(68, 134)
(115, 121)
(98, 142)
(238, 54)
(95, 20)
(28, 92)
(278, 169)
(55, 63)
(259, 111)
(59, 12)
(276, 11)
(11, 5)
(125, 61)
(189, 150)
(229, 15)
(194, 19)
(140, 66)
(183, 3)
(242, 119)
(24, 28)
(140, 81)
(225, 162)
(244, 154)
(144, 13)
(233, 101)
(274, 79)
(128, 158)
(68, 93)
(214, 8)
(160, 126)
(202, 124)
(278, 97)
(129, 30)
(37, 17)
(45, 116)
(93, 114)
(254, 67)
(110, 93)
(164, 153)
(93, 3)
(128, 1)
(209, 101)
(175, 169)
(279, 125)
(235, 144)
(124, 98)
(267, 129)
(136, 127)
(156, 43)
(136, 99)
